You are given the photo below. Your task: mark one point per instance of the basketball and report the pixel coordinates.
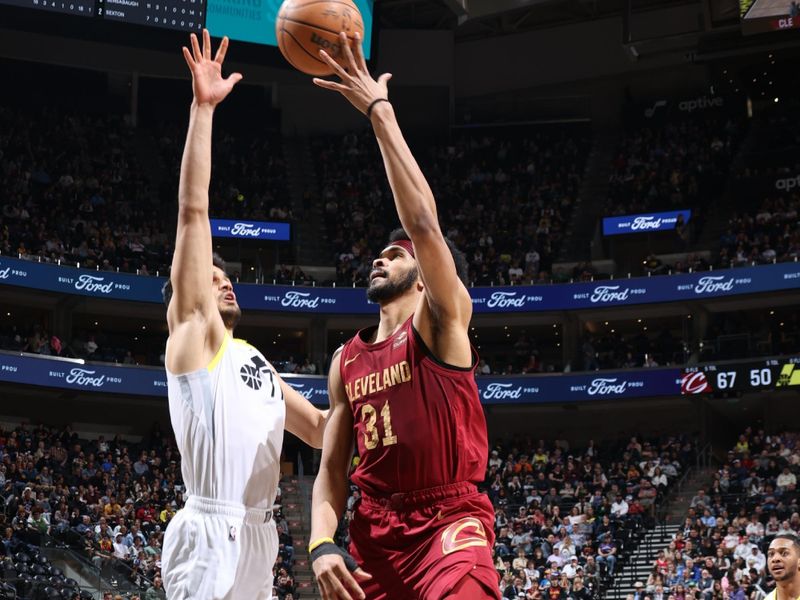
(304, 27)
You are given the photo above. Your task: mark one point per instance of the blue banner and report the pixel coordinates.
(77, 375)
(250, 230)
(68, 280)
(539, 389)
(532, 389)
(353, 301)
(644, 223)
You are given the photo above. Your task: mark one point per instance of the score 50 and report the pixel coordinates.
(726, 380)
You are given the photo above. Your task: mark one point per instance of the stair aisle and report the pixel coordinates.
(296, 502)
(640, 564)
(591, 201)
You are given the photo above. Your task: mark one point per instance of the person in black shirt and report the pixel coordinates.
(513, 591)
(503, 543)
(603, 526)
(579, 590)
(707, 547)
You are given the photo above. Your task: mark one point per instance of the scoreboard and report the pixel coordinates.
(81, 8)
(185, 15)
(242, 20)
(742, 376)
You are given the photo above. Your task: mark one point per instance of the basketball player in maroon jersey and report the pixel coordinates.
(406, 391)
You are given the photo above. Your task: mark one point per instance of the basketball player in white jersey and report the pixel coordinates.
(227, 405)
(783, 562)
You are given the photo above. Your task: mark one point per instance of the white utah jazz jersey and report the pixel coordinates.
(228, 420)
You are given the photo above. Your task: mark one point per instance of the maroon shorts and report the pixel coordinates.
(419, 545)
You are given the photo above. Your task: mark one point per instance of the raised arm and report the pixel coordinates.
(192, 314)
(303, 419)
(327, 503)
(447, 308)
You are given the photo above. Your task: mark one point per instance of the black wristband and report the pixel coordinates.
(372, 105)
(328, 548)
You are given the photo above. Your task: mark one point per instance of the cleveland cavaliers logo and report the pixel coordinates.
(464, 533)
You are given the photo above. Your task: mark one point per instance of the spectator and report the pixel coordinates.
(156, 592)
(619, 508)
(785, 479)
(607, 554)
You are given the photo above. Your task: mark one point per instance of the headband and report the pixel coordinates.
(405, 245)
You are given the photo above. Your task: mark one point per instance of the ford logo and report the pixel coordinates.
(502, 391)
(713, 283)
(300, 300)
(91, 283)
(602, 387)
(505, 299)
(609, 293)
(245, 230)
(85, 377)
(645, 223)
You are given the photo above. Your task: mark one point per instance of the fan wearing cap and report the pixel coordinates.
(571, 568)
(638, 591)
(405, 392)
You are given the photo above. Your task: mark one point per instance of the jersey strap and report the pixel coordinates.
(218, 356)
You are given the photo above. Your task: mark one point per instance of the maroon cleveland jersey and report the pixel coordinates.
(418, 423)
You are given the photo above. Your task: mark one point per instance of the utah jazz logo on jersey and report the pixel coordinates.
(252, 373)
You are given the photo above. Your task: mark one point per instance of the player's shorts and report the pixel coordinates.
(219, 551)
(419, 545)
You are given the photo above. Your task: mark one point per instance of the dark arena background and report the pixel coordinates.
(623, 176)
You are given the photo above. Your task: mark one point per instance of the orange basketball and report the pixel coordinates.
(304, 27)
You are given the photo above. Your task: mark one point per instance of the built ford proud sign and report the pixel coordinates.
(353, 301)
(645, 223)
(782, 373)
(250, 230)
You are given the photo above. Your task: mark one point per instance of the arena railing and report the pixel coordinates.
(112, 574)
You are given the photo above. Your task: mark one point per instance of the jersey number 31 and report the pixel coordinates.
(369, 416)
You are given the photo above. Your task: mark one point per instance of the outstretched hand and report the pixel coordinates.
(208, 84)
(335, 581)
(356, 84)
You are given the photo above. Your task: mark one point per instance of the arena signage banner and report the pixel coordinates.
(746, 375)
(787, 184)
(250, 230)
(644, 223)
(581, 387)
(83, 282)
(282, 298)
(353, 301)
(77, 375)
(149, 381)
(686, 105)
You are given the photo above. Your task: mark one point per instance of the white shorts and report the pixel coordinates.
(219, 551)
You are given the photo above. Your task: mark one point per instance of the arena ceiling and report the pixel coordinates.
(474, 19)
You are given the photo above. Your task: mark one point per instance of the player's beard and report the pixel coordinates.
(389, 290)
(789, 571)
(230, 316)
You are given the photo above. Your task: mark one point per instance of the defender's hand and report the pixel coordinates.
(208, 84)
(335, 581)
(356, 84)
